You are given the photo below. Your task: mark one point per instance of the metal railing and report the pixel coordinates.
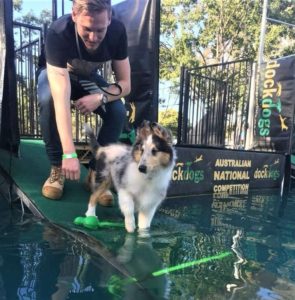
(213, 108)
(28, 40)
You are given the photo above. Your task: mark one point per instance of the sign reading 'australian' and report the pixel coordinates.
(224, 172)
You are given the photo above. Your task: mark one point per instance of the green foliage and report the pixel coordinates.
(30, 18)
(204, 32)
(169, 119)
(280, 39)
(178, 41)
(17, 5)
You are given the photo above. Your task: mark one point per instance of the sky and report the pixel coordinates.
(38, 5)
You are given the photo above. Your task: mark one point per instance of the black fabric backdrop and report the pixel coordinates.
(275, 107)
(142, 21)
(9, 131)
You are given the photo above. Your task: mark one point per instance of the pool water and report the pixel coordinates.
(241, 247)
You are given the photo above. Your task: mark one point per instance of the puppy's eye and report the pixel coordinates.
(140, 148)
(154, 151)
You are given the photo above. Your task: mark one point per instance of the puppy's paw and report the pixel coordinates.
(91, 212)
(130, 228)
(144, 221)
(130, 225)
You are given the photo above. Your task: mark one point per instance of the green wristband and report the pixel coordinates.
(69, 155)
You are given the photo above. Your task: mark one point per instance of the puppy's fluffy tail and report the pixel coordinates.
(92, 138)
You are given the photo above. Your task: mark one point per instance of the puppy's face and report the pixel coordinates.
(153, 147)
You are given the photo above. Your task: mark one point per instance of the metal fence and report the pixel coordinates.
(214, 105)
(28, 41)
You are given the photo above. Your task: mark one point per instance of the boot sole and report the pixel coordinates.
(50, 196)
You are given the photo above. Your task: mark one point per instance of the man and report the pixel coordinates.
(76, 46)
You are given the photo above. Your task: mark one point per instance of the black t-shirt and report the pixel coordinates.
(61, 48)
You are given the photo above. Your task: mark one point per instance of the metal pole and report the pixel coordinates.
(54, 10)
(262, 33)
(251, 112)
(281, 22)
(2, 56)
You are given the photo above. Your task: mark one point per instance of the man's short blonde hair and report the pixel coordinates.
(92, 5)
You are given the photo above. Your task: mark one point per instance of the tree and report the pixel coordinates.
(17, 5)
(203, 32)
(168, 118)
(178, 40)
(280, 39)
(30, 18)
(44, 18)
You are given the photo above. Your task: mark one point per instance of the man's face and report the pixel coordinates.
(91, 27)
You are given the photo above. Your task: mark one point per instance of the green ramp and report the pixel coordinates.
(30, 170)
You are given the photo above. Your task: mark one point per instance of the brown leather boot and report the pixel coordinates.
(54, 185)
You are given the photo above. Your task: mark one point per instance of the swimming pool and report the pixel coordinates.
(242, 247)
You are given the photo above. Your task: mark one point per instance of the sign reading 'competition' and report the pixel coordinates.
(224, 172)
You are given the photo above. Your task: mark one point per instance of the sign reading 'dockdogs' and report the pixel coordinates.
(275, 107)
(224, 172)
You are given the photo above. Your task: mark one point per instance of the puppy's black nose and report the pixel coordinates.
(142, 168)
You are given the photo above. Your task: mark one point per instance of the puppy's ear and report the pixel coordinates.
(144, 130)
(162, 132)
(144, 123)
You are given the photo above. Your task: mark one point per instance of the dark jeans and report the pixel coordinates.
(113, 119)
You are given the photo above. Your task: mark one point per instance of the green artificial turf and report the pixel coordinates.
(29, 172)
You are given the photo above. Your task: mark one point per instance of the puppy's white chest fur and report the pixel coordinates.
(152, 185)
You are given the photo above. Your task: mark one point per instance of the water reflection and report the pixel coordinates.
(141, 260)
(73, 267)
(181, 257)
(257, 229)
(238, 274)
(38, 261)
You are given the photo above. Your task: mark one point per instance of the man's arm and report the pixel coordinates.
(122, 72)
(121, 69)
(61, 92)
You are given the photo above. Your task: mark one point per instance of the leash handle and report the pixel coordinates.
(109, 93)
